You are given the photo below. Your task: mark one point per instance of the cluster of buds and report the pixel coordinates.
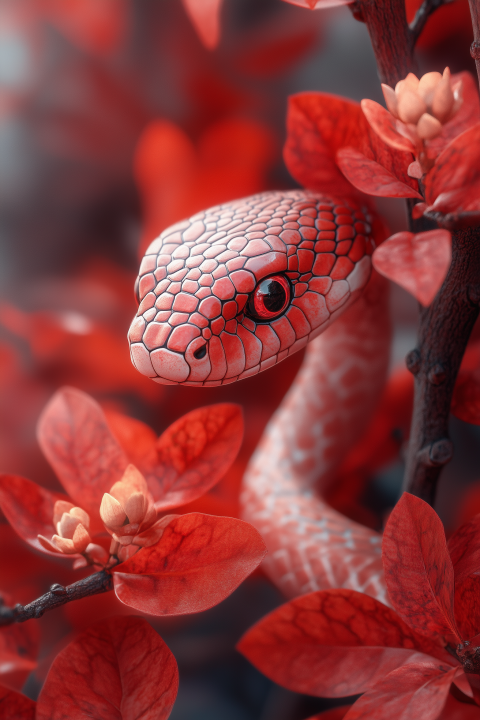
(129, 515)
(72, 537)
(424, 105)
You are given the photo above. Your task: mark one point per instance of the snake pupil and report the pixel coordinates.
(200, 353)
(270, 298)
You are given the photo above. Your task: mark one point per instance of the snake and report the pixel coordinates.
(236, 289)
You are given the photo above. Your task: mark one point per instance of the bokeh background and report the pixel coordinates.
(116, 121)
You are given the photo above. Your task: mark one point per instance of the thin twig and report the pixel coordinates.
(426, 9)
(95, 584)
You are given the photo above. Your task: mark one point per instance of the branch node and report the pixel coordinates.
(57, 589)
(475, 50)
(413, 361)
(18, 609)
(437, 454)
(473, 294)
(357, 11)
(437, 374)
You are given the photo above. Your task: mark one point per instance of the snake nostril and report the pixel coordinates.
(201, 352)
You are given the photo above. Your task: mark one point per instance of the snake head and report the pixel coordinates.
(237, 288)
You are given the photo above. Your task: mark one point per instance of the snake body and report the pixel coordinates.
(232, 291)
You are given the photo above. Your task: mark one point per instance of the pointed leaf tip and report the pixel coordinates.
(418, 263)
(205, 16)
(418, 568)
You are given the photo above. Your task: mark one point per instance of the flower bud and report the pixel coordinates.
(443, 100)
(427, 85)
(72, 535)
(411, 107)
(390, 99)
(428, 127)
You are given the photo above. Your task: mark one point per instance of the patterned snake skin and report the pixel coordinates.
(209, 315)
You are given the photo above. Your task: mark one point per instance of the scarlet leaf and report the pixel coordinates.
(467, 606)
(76, 440)
(197, 563)
(319, 125)
(467, 116)
(457, 710)
(384, 124)
(119, 669)
(370, 177)
(332, 643)
(337, 713)
(464, 548)
(317, 4)
(14, 705)
(28, 508)
(92, 25)
(415, 691)
(418, 569)
(18, 653)
(466, 397)
(195, 453)
(137, 439)
(419, 263)
(205, 16)
(456, 167)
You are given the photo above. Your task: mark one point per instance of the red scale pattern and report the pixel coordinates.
(195, 280)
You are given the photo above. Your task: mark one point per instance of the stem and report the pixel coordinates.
(95, 584)
(445, 328)
(475, 46)
(427, 8)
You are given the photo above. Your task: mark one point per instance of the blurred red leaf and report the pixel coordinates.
(337, 713)
(456, 168)
(97, 26)
(28, 508)
(177, 178)
(15, 706)
(419, 263)
(331, 643)
(194, 453)
(197, 563)
(370, 177)
(464, 549)
(205, 16)
(76, 440)
(418, 568)
(449, 23)
(119, 668)
(466, 397)
(19, 646)
(416, 691)
(319, 126)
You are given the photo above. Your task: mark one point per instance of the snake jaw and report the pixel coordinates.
(196, 279)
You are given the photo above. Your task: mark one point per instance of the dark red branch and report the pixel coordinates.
(427, 8)
(95, 584)
(475, 47)
(445, 328)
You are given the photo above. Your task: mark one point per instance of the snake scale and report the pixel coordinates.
(236, 289)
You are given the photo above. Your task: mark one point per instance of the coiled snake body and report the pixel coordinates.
(236, 289)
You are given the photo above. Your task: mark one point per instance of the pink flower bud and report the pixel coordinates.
(428, 127)
(410, 107)
(111, 512)
(72, 535)
(390, 99)
(427, 85)
(443, 100)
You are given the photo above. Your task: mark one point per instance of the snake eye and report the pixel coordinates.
(269, 299)
(136, 290)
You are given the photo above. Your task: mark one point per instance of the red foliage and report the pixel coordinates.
(340, 642)
(419, 263)
(198, 562)
(317, 4)
(321, 128)
(205, 16)
(119, 668)
(15, 705)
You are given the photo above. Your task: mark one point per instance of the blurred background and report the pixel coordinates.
(117, 119)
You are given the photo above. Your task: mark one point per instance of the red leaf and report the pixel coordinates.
(119, 668)
(197, 563)
(15, 706)
(318, 126)
(419, 263)
(456, 710)
(18, 653)
(464, 548)
(28, 508)
(466, 397)
(415, 691)
(370, 177)
(205, 16)
(137, 439)
(331, 643)
(456, 167)
(76, 440)
(467, 606)
(384, 124)
(336, 713)
(418, 569)
(465, 199)
(317, 4)
(194, 453)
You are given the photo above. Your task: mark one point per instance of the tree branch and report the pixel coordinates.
(445, 328)
(475, 46)
(95, 584)
(427, 8)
